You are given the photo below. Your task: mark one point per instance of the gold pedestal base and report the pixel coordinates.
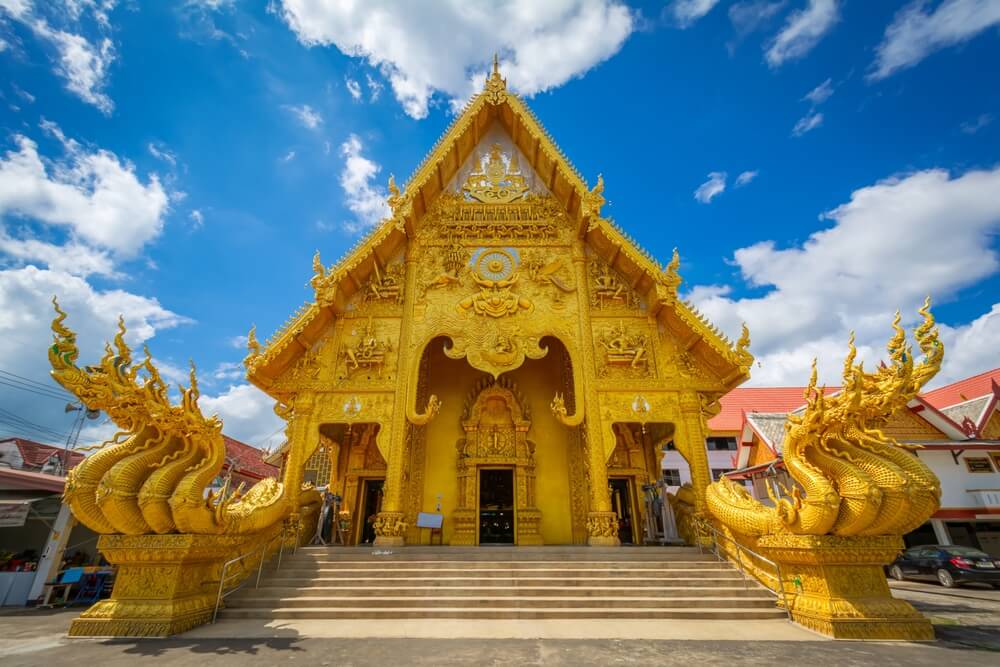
(165, 584)
(389, 541)
(836, 586)
(602, 529)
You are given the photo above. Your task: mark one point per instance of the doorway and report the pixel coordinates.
(371, 496)
(496, 506)
(621, 503)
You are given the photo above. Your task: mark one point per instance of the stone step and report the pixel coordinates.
(561, 602)
(722, 613)
(502, 552)
(277, 592)
(324, 563)
(567, 571)
(726, 578)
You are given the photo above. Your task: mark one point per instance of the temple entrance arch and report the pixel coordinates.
(634, 466)
(494, 452)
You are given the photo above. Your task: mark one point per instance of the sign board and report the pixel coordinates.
(14, 513)
(429, 520)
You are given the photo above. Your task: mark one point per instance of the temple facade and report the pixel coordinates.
(495, 352)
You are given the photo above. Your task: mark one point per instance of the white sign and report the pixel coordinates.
(14, 513)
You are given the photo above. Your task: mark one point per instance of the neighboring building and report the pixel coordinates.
(24, 454)
(957, 428)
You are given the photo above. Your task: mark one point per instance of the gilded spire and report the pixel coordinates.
(496, 86)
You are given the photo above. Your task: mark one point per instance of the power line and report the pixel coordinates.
(43, 385)
(28, 433)
(10, 416)
(38, 392)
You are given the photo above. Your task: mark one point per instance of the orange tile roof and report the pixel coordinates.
(35, 454)
(756, 399)
(248, 460)
(963, 390)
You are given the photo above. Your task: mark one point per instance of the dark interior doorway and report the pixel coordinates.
(496, 506)
(372, 495)
(621, 503)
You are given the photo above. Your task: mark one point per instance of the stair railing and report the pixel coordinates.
(227, 576)
(774, 583)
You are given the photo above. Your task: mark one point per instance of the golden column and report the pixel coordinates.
(390, 529)
(689, 438)
(602, 523)
(303, 440)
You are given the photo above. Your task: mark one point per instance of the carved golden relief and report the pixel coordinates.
(454, 261)
(385, 285)
(608, 290)
(497, 180)
(367, 351)
(627, 353)
(532, 219)
(496, 274)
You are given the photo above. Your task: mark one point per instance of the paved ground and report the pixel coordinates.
(967, 621)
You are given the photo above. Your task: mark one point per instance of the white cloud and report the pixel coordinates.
(365, 199)
(745, 178)
(94, 194)
(288, 157)
(239, 342)
(197, 217)
(25, 300)
(979, 123)
(374, 87)
(714, 186)
(306, 115)
(914, 34)
(73, 258)
(686, 12)
(970, 349)
(354, 88)
(807, 123)
(424, 48)
(247, 414)
(820, 93)
(161, 152)
(893, 243)
(83, 63)
(748, 17)
(802, 31)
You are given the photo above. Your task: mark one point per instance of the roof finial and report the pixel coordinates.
(496, 86)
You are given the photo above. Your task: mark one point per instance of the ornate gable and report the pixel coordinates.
(497, 176)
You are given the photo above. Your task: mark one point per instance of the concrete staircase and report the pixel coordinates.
(502, 583)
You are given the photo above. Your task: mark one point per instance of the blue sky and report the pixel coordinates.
(818, 163)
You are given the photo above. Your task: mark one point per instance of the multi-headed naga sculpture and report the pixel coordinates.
(851, 479)
(153, 475)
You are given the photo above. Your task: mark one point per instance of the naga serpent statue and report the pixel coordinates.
(153, 475)
(850, 478)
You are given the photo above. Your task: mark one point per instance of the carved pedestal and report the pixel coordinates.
(836, 586)
(390, 529)
(165, 584)
(602, 528)
(466, 523)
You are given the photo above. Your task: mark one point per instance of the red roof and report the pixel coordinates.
(36, 455)
(756, 399)
(963, 390)
(248, 460)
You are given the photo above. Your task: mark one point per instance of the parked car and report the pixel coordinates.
(949, 564)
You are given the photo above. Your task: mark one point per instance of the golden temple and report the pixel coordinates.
(498, 353)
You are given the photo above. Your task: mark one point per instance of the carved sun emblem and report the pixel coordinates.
(495, 265)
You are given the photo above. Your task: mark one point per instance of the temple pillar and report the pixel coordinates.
(689, 438)
(602, 522)
(390, 528)
(302, 442)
